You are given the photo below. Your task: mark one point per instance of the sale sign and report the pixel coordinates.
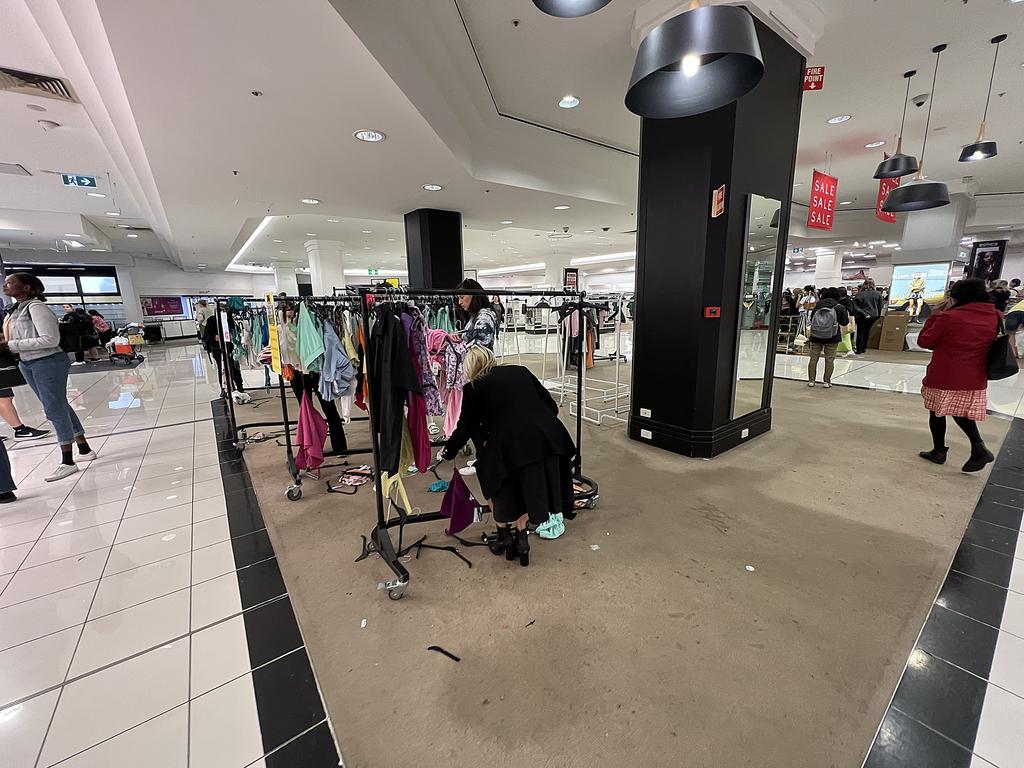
(718, 202)
(821, 213)
(885, 186)
(814, 78)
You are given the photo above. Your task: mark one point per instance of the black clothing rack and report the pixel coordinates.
(379, 541)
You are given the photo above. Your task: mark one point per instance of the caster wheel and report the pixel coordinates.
(396, 594)
(294, 494)
(592, 504)
(466, 450)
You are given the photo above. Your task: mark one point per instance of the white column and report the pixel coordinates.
(828, 270)
(553, 271)
(130, 297)
(284, 279)
(326, 266)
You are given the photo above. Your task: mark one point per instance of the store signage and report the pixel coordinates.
(272, 338)
(718, 202)
(74, 180)
(798, 250)
(814, 78)
(885, 186)
(987, 259)
(372, 272)
(713, 312)
(822, 211)
(570, 278)
(392, 281)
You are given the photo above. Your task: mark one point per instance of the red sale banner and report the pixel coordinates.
(814, 78)
(822, 211)
(885, 186)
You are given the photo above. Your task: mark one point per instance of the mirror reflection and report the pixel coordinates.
(756, 310)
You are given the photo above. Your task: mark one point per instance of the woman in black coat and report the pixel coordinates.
(523, 463)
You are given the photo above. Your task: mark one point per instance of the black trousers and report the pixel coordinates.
(864, 325)
(309, 383)
(236, 370)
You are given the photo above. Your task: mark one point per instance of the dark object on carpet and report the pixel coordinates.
(439, 649)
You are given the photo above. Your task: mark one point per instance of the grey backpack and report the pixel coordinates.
(824, 323)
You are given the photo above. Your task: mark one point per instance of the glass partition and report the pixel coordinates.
(757, 284)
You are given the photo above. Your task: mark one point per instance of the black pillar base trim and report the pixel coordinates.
(700, 443)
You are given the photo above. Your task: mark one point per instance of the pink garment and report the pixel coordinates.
(452, 410)
(309, 436)
(418, 431)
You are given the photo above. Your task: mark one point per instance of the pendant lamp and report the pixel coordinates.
(920, 194)
(570, 9)
(700, 60)
(981, 149)
(899, 164)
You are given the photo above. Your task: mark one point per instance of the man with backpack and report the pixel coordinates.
(825, 332)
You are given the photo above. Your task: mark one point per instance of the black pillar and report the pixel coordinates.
(433, 248)
(689, 263)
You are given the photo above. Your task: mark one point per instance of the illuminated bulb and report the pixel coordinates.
(978, 155)
(691, 64)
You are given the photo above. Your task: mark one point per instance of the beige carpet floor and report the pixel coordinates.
(641, 638)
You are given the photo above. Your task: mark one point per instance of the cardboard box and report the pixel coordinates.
(894, 331)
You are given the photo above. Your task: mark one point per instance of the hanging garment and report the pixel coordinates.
(308, 384)
(421, 361)
(390, 378)
(458, 505)
(416, 403)
(309, 436)
(337, 372)
(309, 341)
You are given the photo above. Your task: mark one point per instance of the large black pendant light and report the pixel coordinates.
(700, 60)
(981, 149)
(920, 194)
(899, 164)
(570, 9)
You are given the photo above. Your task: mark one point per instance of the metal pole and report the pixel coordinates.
(579, 385)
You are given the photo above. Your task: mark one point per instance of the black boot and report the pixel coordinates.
(501, 542)
(980, 456)
(510, 548)
(935, 455)
(523, 547)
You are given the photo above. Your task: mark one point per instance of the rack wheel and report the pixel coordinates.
(466, 450)
(294, 493)
(592, 503)
(396, 594)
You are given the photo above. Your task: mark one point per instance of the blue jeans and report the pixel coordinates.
(6, 481)
(48, 378)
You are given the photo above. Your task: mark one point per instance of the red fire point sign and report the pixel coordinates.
(814, 78)
(718, 202)
(821, 213)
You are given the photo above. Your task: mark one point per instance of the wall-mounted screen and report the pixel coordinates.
(161, 306)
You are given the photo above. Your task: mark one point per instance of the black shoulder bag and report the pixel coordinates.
(1002, 363)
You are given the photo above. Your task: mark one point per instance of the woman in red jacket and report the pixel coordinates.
(960, 331)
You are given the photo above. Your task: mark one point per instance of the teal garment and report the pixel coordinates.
(309, 342)
(553, 528)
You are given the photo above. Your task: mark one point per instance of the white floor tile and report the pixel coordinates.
(69, 544)
(162, 483)
(44, 615)
(1013, 614)
(31, 668)
(93, 497)
(225, 727)
(12, 557)
(138, 585)
(1000, 737)
(210, 472)
(219, 654)
(210, 562)
(52, 577)
(116, 699)
(208, 508)
(208, 489)
(1019, 554)
(154, 522)
(78, 519)
(19, 533)
(214, 600)
(152, 502)
(22, 728)
(122, 634)
(1008, 664)
(212, 531)
(12, 514)
(158, 743)
(163, 469)
(149, 549)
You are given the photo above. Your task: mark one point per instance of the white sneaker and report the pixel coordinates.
(90, 456)
(826, 385)
(77, 363)
(62, 471)
(810, 383)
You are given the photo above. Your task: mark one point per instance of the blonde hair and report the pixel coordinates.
(478, 363)
(1001, 284)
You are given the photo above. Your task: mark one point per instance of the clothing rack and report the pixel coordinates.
(380, 541)
(611, 397)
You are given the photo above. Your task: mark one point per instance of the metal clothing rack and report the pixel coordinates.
(379, 541)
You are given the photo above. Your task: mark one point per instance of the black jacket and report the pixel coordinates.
(842, 316)
(868, 303)
(515, 418)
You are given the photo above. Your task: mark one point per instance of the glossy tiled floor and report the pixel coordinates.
(143, 620)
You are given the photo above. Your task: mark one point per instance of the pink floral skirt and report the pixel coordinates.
(970, 403)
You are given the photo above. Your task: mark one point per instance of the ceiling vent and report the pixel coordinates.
(14, 169)
(16, 81)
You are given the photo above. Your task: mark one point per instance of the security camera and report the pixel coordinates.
(565, 229)
(605, 229)
(920, 100)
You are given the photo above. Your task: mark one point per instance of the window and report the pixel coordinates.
(98, 284)
(55, 284)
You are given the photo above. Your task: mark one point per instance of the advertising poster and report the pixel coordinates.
(916, 287)
(987, 260)
(161, 306)
(859, 274)
(821, 213)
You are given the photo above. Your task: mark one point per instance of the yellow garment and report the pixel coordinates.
(1018, 307)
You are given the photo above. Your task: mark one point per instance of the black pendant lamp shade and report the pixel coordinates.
(899, 164)
(981, 149)
(570, 9)
(920, 194)
(695, 62)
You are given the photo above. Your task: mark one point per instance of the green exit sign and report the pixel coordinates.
(372, 272)
(74, 180)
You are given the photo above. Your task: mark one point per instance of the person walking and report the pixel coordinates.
(9, 413)
(867, 306)
(31, 331)
(203, 313)
(824, 334)
(101, 326)
(7, 486)
(846, 345)
(960, 332)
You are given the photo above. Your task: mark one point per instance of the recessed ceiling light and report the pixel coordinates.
(505, 221)
(131, 234)
(35, 107)
(200, 265)
(873, 144)
(71, 234)
(560, 236)
(96, 250)
(433, 187)
(333, 221)
(391, 239)
(847, 202)
(282, 251)
(113, 213)
(124, 226)
(568, 102)
(95, 194)
(561, 207)
(366, 247)
(839, 119)
(370, 136)
(310, 201)
(311, 234)
(367, 231)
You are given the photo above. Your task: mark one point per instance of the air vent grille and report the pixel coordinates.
(14, 169)
(35, 85)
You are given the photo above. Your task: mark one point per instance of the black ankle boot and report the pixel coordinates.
(523, 547)
(935, 455)
(980, 456)
(502, 542)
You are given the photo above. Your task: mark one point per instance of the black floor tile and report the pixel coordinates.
(994, 537)
(973, 598)
(1011, 497)
(990, 512)
(235, 481)
(983, 564)
(259, 583)
(946, 699)
(314, 749)
(959, 640)
(271, 631)
(904, 743)
(244, 514)
(1007, 476)
(287, 699)
(251, 548)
